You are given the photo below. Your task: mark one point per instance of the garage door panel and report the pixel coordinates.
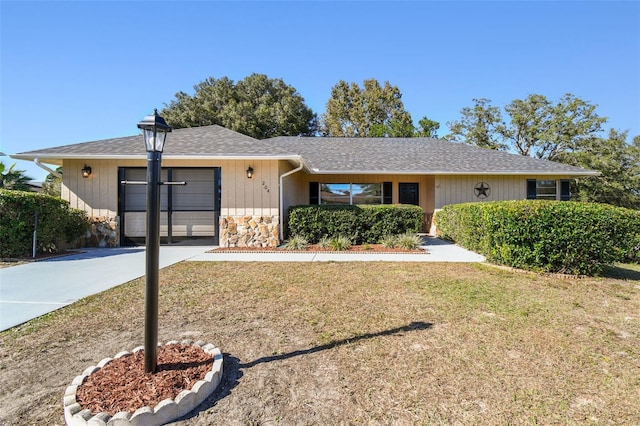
(135, 225)
(197, 194)
(193, 224)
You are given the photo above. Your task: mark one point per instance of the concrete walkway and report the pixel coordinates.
(30, 290)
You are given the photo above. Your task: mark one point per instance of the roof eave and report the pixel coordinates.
(58, 157)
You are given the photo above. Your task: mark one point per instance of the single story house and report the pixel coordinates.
(238, 189)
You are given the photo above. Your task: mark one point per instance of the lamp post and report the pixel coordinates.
(154, 131)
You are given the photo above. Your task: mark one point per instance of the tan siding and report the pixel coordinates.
(460, 189)
(257, 196)
(98, 194)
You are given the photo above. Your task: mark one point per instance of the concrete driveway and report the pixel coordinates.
(33, 289)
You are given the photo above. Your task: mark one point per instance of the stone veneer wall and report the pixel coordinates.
(103, 232)
(249, 231)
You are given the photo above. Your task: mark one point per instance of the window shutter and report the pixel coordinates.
(314, 193)
(565, 190)
(531, 189)
(387, 192)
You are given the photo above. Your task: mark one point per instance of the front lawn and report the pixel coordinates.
(359, 343)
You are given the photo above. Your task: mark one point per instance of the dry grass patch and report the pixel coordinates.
(359, 343)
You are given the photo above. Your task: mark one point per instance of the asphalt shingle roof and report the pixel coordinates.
(194, 141)
(322, 155)
(412, 155)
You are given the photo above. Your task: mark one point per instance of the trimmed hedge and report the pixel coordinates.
(364, 224)
(57, 223)
(546, 236)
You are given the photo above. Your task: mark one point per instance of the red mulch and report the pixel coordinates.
(122, 384)
(367, 248)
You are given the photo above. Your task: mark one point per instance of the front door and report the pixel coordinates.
(408, 193)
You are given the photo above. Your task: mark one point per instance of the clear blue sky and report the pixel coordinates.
(81, 71)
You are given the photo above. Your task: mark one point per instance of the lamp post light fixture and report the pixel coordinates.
(154, 131)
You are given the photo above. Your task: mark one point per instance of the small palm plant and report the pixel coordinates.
(389, 241)
(296, 242)
(339, 243)
(324, 242)
(409, 241)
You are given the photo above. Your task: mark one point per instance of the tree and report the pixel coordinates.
(530, 123)
(478, 125)
(428, 128)
(52, 184)
(543, 130)
(371, 111)
(537, 127)
(619, 165)
(257, 106)
(14, 179)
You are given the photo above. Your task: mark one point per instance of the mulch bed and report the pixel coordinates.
(123, 385)
(314, 248)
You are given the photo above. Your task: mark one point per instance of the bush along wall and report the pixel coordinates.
(364, 224)
(547, 236)
(58, 224)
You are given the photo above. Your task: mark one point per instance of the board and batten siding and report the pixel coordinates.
(98, 194)
(257, 196)
(460, 189)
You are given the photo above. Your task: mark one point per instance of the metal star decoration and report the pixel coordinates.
(482, 190)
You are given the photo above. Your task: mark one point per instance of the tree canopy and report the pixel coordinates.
(619, 165)
(536, 127)
(428, 128)
(478, 125)
(370, 111)
(52, 184)
(256, 106)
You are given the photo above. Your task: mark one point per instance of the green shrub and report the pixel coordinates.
(548, 236)
(57, 223)
(380, 220)
(364, 224)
